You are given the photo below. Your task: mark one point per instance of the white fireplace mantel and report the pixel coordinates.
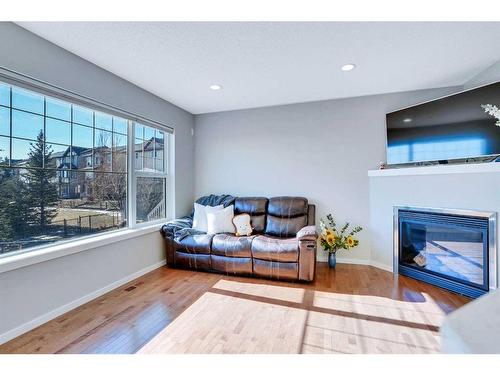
(437, 169)
(469, 187)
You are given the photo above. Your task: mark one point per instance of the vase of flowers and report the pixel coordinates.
(332, 239)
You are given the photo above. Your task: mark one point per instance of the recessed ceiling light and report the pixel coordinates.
(348, 67)
(215, 87)
(407, 120)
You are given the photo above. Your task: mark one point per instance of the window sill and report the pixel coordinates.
(72, 247)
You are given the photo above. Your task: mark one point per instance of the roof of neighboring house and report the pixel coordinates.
(79, 150)
(149, 144)
(57, 154)
(75, 149)
(18, 162)
(67, 166)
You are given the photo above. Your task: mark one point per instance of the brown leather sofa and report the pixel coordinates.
(282, 246)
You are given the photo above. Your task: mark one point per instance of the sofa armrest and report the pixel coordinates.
(307, 234)
(169, 229)
(307, 241)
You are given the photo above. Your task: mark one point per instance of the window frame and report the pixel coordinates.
(54, 92)
(134, 175)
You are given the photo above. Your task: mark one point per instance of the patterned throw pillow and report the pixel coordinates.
(243, 225)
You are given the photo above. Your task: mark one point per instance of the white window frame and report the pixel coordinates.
(134, 175)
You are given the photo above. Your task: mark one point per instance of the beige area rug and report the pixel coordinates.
(238, 317)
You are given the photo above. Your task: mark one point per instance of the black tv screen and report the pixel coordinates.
(460, 126)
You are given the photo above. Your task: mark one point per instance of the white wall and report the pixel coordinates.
(32, 294)
(320, 150)
(471, 191)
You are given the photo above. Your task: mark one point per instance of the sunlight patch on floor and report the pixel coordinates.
(223, 324)
(427, 312)
(281, 293)
(239, 317)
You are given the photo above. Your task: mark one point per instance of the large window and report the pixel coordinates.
(66, 170)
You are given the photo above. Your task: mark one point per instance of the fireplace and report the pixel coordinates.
(453, 249)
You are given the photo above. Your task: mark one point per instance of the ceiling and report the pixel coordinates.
(270, 63)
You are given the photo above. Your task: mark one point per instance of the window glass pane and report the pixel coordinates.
(4, 150)
(58, 109)
(138, 154)
(149, 133)
(26, 125)
(83, 116)
(103, 121)
(108, 191)
(159, 147)
(119, 153)
(120, 125)
(58, 156)
(20, 153)
(149, 164)
(4, 121)
(150, 199)
(159, 165)
(74, 206)
(159, 151)
(102, 150)
(4, 95)
(57, 131)
(83, 136)
(139, 131)
(27, 100)
(103, 138)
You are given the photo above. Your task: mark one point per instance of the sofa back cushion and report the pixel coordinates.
(254, 206)
(286, 216)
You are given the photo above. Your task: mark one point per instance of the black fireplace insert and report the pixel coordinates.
(450, 249)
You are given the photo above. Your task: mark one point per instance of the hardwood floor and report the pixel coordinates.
(354, 309)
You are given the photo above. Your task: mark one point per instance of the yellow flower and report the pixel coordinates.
(328, 232)
(350, 241)
(330, 239)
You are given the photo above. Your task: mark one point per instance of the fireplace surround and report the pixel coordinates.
(449, 248)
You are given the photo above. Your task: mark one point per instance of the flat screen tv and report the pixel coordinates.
(459, 127)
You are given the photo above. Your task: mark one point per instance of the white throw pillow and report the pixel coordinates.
(200, 216)
(220, 221)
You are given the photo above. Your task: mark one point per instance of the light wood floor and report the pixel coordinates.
(354, 309)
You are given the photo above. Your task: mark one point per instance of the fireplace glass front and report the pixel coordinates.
(446, 250)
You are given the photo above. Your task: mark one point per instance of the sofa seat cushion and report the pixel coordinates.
(231, 265)
(232, 246)
(193, 261)
(194, 244)
(275, 270)
(275, 249)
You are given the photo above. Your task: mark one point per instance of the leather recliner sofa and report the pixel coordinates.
(282, 245)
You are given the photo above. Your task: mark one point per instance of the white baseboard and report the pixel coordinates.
(28, 326)
(363, 262)
(382, 266)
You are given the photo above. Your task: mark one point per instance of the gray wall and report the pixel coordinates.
(320, 150)
(489, 75)
(32, 294)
